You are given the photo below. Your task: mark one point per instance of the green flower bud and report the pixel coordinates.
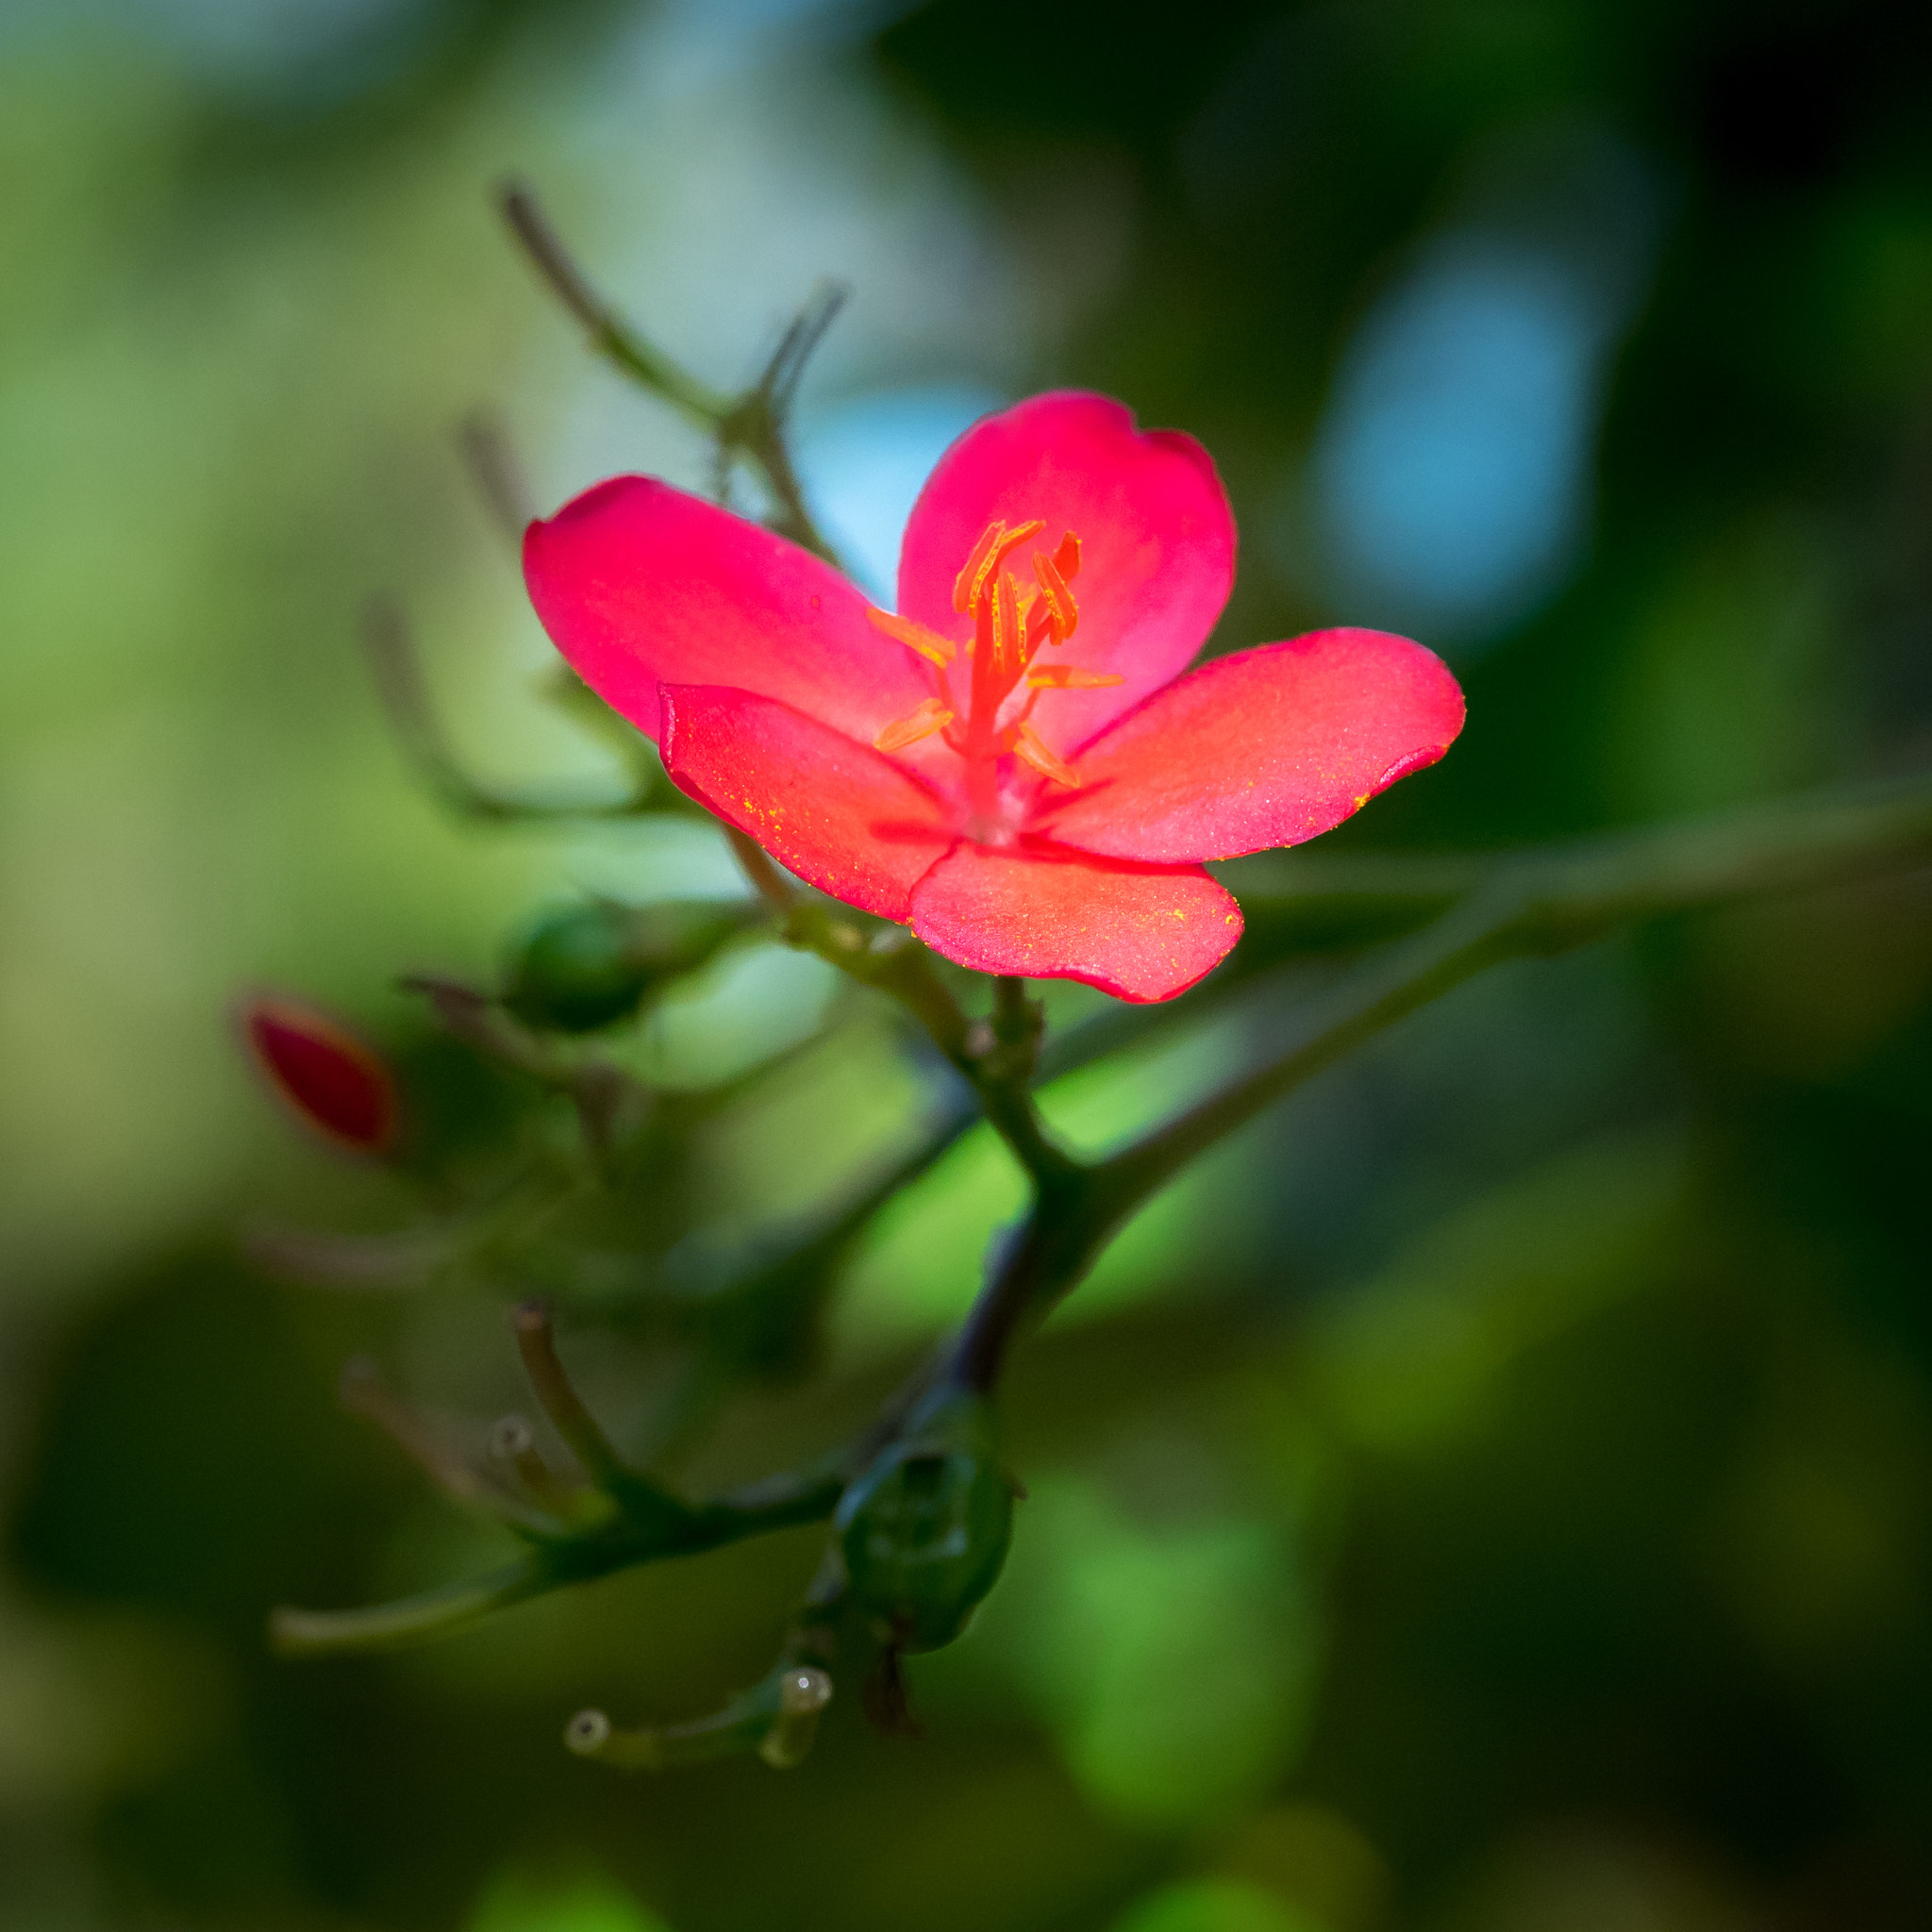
(591, 966)
(925, 1529)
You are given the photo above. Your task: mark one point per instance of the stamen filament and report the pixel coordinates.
(915, 636)
(1008, 646)
(1032, 747)
(1071, 677)
(935, 714)
(1053, 588)
(968, 583)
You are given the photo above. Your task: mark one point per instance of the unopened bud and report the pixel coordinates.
(586, 1733)
(803, 1693)
(334, 1082)
(925, 1529)
(591, 966)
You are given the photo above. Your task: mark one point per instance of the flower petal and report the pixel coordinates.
(1156, 536)
(1138, 932)
(1266, 748)
(841, 815)
(640, 585)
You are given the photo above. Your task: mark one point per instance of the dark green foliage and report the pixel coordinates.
(924, 1530)
(587, 967)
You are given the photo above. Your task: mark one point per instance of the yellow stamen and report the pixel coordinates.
(1006, 622)
(1012, 540)
(994, 543)
(1053, 587)
(967, 585)
(921, 722)
(1032, 747)
(1071, 677)
(915, 636)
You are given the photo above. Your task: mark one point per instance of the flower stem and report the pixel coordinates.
(610, 335)
(413, 1620)
(396, 669)
(634, 1534)
(1540, 904)
(751, 425)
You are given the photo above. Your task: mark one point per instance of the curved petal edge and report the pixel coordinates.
(1156, 534)
(841, 815)
(1141, 932)
(639, 584)
(1266, 748)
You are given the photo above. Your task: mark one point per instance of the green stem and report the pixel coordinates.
(413, 1620)
(1540, 903)
(397, 672)
(996, 1060)
(751, 425)
(704, 406)
(629, 1537)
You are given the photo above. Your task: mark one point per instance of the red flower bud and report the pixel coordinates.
(328, 1077)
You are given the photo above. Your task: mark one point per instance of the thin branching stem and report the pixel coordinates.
(396, 668)
(1538, 904)
(751, 425)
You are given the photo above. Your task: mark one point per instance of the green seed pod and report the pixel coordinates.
(591, 966)
(925, 1529)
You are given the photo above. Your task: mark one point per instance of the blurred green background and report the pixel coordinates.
(1493, 1494)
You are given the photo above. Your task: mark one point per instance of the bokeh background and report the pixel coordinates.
(1493, 1494)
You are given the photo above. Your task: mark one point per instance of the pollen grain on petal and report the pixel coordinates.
(915, 636)
(1034, 749)
(921, 722)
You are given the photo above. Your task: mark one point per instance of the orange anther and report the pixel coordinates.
(1071, 677)
(921, 722)
(967, 585)
(1053, 587)
(994, 543)
(915, 636)
(1007, 639)
(1018, 534)
(1066, 560)
(1032, 747)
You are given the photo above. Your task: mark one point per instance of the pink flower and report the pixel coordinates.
(331, 1080)
(1014, 764)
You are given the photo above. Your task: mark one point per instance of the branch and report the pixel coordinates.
(413, 1620)
(628, 1519)
(1542, 902)
(397, 671)
(996, 1060)
(610, 335)
(751, 425)
(648, 1525)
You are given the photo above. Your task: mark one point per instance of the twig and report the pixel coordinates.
(610, 335)
(1540, 904)
(751, 425)
(391, 647)
(495, 470)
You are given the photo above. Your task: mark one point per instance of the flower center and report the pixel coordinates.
(1010, 623)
